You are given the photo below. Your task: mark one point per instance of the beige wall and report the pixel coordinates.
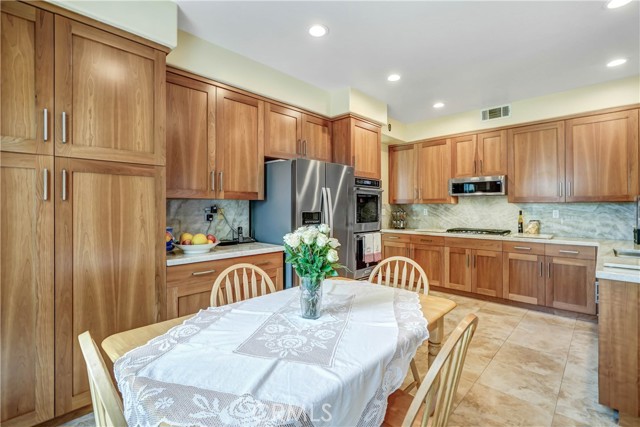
(155, 20)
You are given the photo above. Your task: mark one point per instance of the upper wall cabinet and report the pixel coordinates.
(26, 66)
(433, 169)
(480, 155)
(402, 174)
(110, 96)
(602, 157)
(358, 143)
(536, 163)
(290, 134)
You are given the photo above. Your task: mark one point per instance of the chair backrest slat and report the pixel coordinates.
(240, 282)
(400, 272)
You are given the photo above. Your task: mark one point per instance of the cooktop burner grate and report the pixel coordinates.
(479, 231)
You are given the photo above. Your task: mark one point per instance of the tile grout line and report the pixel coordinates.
(564, 369)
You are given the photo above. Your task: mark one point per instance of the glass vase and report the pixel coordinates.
(310, 298)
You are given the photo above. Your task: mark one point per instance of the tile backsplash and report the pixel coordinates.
(187, 215)
(588, 220)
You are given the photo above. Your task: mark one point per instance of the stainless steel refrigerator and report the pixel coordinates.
(305, 192)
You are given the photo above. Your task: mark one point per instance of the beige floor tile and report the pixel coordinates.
(495, 324)
(542, 335)
(464, 386)
(483, 345)
(535, 361)
(474, 365)
(584, 349)
(582, 325)
(486, 407)
(506, 309)
(539, 317)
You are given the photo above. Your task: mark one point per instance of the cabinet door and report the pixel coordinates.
(536, 163)
(487, 273)
(492, 153)
(390, 249)
(283, 132)
(26, 289)
(431, 259)
(240, 146)
(26, 66)
(316, 133)
(402, 174)
(457, 268)
(110, 96)
(523, 278)
(464, 156)
(366, 139)
(434, 170)
(109, 260)
(570, 284)
(191, 142)
(602, 157)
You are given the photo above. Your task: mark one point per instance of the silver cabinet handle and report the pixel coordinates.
(304, 146)
(64, 184)
(474, 261)
(64, 127)
(221, 187)
(568, 188)
(426, 240)
(563, 251)
(201, 273)
(467, 260)
(540, 268)
(480, 166)
(560, 187)
(549, 270)
(420, 193)
(45, 191)
(522, 248)
(391, 237)
(45, 124)
(474, 167)
(262, 263)
(299, 146)
(212, 176)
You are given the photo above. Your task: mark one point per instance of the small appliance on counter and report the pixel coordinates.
(399, 219)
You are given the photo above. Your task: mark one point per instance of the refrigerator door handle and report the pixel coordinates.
(324, 206)
(330, 206)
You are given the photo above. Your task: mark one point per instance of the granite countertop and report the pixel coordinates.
(177, 257)
(605, 250)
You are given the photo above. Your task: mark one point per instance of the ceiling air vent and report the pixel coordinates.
(496, 113)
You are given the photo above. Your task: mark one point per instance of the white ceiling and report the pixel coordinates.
(467, 54)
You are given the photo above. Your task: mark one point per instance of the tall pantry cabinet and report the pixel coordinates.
(83, 200)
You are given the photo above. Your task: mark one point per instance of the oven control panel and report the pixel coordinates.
(372, 183)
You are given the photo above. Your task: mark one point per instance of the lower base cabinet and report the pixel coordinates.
(486, 277)
(189, 285)
(523, 272)
(427, 251)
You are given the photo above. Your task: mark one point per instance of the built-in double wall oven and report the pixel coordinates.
(367, 195)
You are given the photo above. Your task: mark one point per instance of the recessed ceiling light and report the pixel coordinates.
(393, 77)
(318, 30)
(616, 62)
(614, 4)
(438, 105)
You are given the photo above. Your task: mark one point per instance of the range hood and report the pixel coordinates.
(478, 186)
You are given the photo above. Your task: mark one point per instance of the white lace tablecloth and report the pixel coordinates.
(258, 363)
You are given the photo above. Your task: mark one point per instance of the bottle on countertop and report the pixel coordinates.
(520, 223)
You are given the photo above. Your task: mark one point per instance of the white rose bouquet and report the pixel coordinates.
(312, 253)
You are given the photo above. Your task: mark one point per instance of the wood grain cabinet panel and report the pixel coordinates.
(109, 261)
(464, 153)
(486, 276)
(240, 146)
(536, 169)
(26, 289)
(191, 139)
(570, 284)
(395, 248)
(358, 143)
(316, 134)
(402, 174)
(523, 277)
(433, 169)
(492, 153)
(431, 259)
(26, 66)
(283, 132)
(109, 96)
(457, 268)
(602, 157)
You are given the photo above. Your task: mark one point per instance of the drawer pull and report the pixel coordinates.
(522, 248)
(563, 251)
(262, 263)
(391, 237)
(201, 273)
(426, 240)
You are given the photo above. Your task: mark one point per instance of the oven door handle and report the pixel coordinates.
(330, 206)
(370, 190)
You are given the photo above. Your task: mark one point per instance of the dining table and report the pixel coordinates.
(258, 362)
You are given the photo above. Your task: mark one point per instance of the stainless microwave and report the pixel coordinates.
(478, 186)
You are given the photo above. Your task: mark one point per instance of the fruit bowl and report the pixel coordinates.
(197, 249)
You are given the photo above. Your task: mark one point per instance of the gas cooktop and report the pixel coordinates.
(479, 231)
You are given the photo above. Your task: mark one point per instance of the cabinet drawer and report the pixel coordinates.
(524, 247)
(421, 239)
(461, 242)
(570, 251)
(392, 237)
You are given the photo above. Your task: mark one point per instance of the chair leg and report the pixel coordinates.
(416, 376)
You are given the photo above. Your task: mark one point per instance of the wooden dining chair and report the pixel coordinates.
(400, 272)
(240, 282)
(107, 406)
(438, 390)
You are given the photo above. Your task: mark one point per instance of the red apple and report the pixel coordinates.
(211, 237)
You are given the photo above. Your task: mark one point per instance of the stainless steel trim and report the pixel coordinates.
(568, 188)
(564, 251)
(298, 144)
(64, 184)
(392, 237)
(200, 273)
(549, 270)
(45, 125)
(212, 176)
(476, 179)
(64, 127)
(523, 248)
(221, 181)
(560, 186)
(45, 190)
(324, 205)
(304, 145)
(330, 201)
(369, 190)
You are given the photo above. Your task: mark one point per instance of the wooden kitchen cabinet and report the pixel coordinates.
(484, 154)
(109, 96)
(464, 153)
(486, 273)
(26, 66)
(317, 141)
(523, 272)
(457, 268)
(536, 170)
(109, 260)
(189, 285)
(570, 278)
(191, 139)
(433, 168)
(428, 252)
(396, 245)
(26, 289)
(358, 143)
(473, 265)
(602, 157)
(402, 174)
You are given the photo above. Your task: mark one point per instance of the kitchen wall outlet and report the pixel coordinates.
(425, 212)
(556, 213)
(208, 217)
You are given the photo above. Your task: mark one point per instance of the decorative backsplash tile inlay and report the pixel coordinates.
(187, 215)
(587, 220)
